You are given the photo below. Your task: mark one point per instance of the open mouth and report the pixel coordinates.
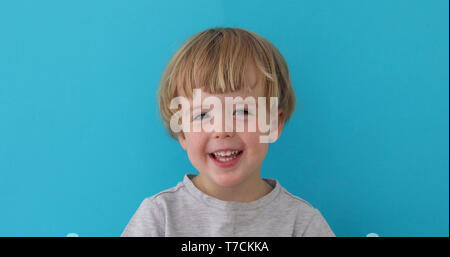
(227, 158)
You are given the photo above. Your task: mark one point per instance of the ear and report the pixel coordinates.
(182, 140)
(281, 121)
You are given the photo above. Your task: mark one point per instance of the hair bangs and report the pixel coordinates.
(218, 64)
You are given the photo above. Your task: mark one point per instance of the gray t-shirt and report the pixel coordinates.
(185, 211)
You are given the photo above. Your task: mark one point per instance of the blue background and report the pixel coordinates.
(81, 142)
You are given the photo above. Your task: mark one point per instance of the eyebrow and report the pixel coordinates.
(201, 107)
(205, 106)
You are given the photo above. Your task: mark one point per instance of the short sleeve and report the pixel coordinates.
(148, 221)
(318, 227)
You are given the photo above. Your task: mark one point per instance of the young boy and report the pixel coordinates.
(228, 197)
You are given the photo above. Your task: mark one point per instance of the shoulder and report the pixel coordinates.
(308, 220)
(293, 205)
(168, 195)
(295, 201)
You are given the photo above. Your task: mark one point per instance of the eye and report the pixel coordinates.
(241, 112)
(200, 116)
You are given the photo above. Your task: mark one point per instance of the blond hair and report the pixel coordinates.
(215, 60)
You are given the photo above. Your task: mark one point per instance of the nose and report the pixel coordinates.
(221, 132)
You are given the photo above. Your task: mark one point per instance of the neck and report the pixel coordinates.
(250, 190)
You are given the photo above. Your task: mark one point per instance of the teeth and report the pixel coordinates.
(226, 159)
(226, 153)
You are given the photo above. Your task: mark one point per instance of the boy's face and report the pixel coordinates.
(230, 170)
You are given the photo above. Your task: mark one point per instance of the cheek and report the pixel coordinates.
(252, 124)
(195, 145)
(254, 147)
(262, 150)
